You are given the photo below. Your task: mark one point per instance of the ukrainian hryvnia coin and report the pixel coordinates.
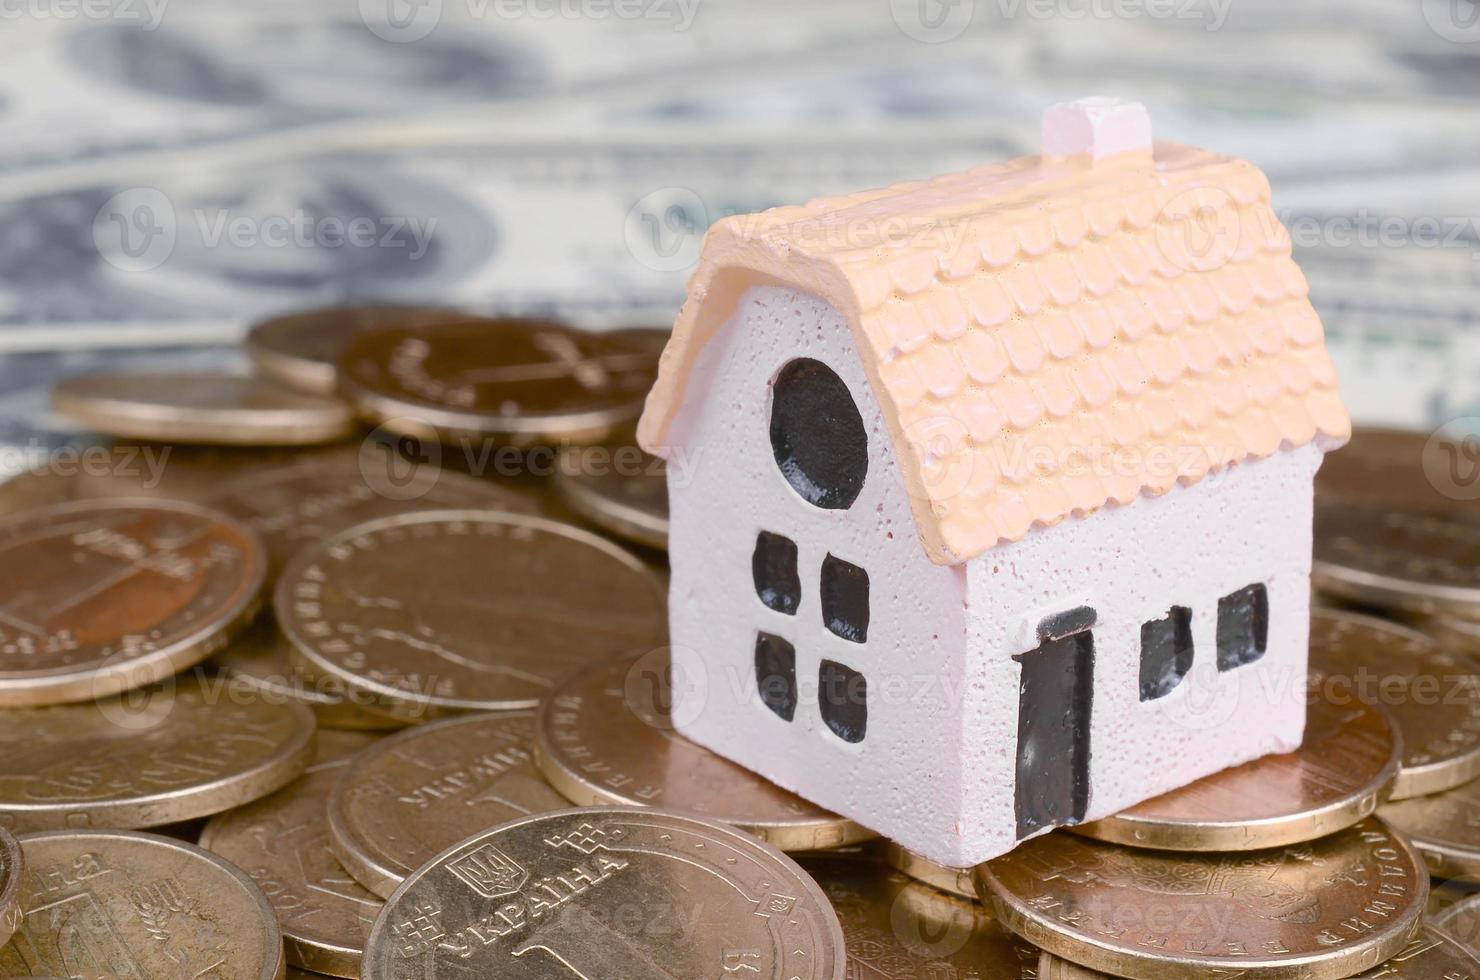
(1459, 635)
(331, 745)
(465, 610)
(1338, 776)
(1430, 955)
(608, 893)
(619, 489)
(418, 792)
(99, 597)
(1314, 911)
(523, 382)
(117, 904)
(1454, 909)
(219, 409)
(12, 870)
(299, 505)
(893, 926)
(1401, 468)
(957, 881)
(258, 659)
(1445, 827)
(282, 843)
(1433, 694)
(300, 349)
(185, 748)
(606, 736)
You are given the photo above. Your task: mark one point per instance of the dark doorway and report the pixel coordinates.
(1055, 698)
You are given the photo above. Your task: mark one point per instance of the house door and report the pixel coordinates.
(1055, 699)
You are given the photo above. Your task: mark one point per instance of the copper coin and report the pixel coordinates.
(12, 879)
(100, 597)
(413, 794)
(893, 926)
(465, 610)
(1460, 635)
(522, 382)
(620, 489)
(1458, 918)
(221, 409)
(301, 349)
(1338, 776)
(282, 842)
(1315, 911)
(115, 904)
(186, 748)
(1402, 468)
(1433, 694)
(957, 881)
(1430, 955)
(258, 658)
(299, 505)
(1445, 827)
(608, 893)
(1402, 559)
(605, 737)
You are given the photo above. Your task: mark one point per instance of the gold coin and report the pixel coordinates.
(260, 660)
(465, 610)
(183, 749)
(1338, 776)
(620, 489)
(300, 349)
(1432, 694)
(12, 877)
(608, 893)
(1445, 827)
(100, 597)
(893, 926)
(282, 842)
(1430, 955)
(117, 904)
(299, 505)
(957, 881)
(605, 737)
(425, 789)
(1315, 911)
(523, 382)
(216, 409)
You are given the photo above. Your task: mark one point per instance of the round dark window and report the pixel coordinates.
(818, 435)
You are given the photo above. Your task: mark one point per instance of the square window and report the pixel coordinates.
(843, 696)
(776, 674)
(845, 599)
(1243, 626)
(774, 568)
(1166, 653)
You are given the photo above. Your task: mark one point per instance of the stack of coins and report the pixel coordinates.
(398, 705)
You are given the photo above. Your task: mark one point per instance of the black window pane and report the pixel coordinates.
(1166, 652)
(776, 674)
(843, 693)
(817, 435)
(845, 599)
(1243, 626)
(774, 567)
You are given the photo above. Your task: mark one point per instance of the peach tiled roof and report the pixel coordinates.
(1048, 335)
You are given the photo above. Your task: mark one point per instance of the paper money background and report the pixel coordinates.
(171, 170)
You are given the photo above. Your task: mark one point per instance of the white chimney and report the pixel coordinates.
(1099, 126)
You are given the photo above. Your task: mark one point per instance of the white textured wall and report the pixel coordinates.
(901, 780)
(1251, 523)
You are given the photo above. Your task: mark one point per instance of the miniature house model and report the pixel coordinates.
(991, 494)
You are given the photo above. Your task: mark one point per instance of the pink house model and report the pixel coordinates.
(994, 505)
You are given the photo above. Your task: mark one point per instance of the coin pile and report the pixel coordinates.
(374, 709)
